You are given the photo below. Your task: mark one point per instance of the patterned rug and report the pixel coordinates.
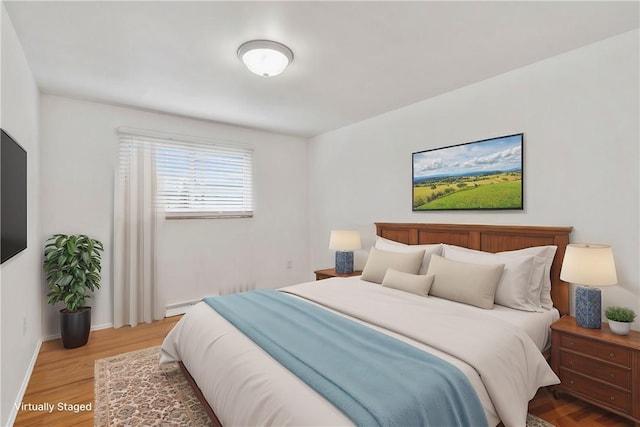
(533, 421)
(132, 389)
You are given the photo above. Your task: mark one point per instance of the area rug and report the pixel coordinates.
(132, 389)
(533, 421)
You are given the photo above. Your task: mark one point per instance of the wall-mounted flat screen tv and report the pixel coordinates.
(13, 197)
(484, 174)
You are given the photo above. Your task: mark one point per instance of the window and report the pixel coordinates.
(196, 179)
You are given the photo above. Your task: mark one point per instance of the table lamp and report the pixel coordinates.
(344, 242)
(589, 265)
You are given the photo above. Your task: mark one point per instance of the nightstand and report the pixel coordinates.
(331, 272)
(598, 366)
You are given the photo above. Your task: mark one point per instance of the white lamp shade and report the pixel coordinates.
(264, 57)
(345, 240)
(589, 265)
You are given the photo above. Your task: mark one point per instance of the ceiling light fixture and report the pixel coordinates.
(265, 58)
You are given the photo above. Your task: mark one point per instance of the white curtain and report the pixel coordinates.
(136, 220)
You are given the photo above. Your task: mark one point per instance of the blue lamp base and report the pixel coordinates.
(588, 307)
(344, 262)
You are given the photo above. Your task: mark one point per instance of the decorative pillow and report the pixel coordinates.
(515, 282)
(472, 284)
(391, 246)
(546, 253)
(379, 261)
(418, 284)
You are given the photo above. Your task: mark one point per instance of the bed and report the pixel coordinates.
(240, 384)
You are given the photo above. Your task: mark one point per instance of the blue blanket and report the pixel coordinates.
(372, 378)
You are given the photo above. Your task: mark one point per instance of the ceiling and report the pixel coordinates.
(352, 60)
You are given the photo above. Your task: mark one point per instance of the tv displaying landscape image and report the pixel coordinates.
(483, 174)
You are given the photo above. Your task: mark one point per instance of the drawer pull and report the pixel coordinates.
(612, 375)
(612, 398)
(612, 354)
(572, 382)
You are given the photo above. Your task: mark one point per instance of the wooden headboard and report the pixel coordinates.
(489, 238)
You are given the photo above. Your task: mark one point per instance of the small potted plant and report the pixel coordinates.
(620, 319)
(72, 265)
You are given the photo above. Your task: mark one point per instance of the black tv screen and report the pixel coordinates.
(13, 197)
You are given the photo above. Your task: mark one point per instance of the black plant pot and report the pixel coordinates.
(75, 327)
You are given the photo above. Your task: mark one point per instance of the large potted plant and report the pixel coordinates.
(620, 319)
(72, 265)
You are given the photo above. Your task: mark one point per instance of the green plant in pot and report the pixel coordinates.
(620, 319)
(73, 267)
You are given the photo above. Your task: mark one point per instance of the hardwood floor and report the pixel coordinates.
(66, 376)
(567, 411)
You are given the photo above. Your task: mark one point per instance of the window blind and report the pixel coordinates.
(195, 179)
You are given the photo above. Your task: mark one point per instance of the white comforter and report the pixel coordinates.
(245, 386)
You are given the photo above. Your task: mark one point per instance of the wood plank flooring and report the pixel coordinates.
(66, 376)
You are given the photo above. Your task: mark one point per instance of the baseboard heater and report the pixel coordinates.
(179, 308)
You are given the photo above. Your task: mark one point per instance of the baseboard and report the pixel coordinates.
(103, 326)
(25, 384)
(93, 328)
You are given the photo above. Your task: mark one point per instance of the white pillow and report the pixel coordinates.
(546, 253)
(535, 283)
(515, 283)
(472, 284)
(418, 284)
(391, 246)
(379, 261)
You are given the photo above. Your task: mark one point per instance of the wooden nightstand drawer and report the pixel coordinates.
(595, 390)
(598, 366)
(585, 365)
(603, 351)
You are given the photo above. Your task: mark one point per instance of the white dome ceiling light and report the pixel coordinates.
(265, 58)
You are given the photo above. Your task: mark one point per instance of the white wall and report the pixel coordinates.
(579, 113)
(21, 290)
(198, 257)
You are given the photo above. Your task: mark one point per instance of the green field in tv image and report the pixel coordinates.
(479, 175)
